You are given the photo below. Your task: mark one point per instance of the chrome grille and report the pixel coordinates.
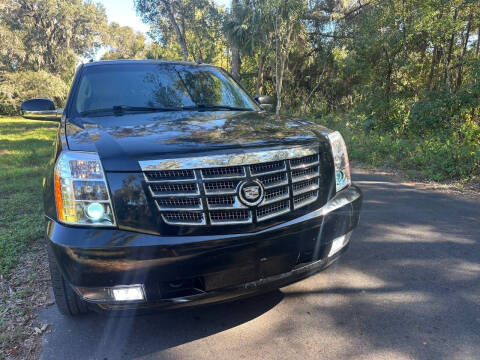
(230, 217)
(208, 196)
(272, 210)
(305, 186)
(223, 172)
(179, 202)
(270, 167)
(304, 161)
(220, 200)
(276, 194)
(169, 175)
(305, 173)
(273, 180)
(221, 187)
(184, 218)
(169, 189)
(304, 199)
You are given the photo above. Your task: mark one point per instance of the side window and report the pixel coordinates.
(83, 94)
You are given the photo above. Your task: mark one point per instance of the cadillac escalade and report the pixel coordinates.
(170, 186)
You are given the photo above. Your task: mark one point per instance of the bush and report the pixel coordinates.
(19, 86)
(453, 154)
(442, 111)
(456, 156)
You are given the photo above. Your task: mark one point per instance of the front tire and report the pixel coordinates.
(67, 300)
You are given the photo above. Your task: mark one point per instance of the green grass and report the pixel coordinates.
(25, 148)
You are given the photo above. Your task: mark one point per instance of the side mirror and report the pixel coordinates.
(266, 102)
(40, 109)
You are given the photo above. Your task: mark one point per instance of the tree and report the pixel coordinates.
(285, 15)
(249, 31)
(124, 43)
(55, 32)
(16, 87)
(187, 29)
(12, 52)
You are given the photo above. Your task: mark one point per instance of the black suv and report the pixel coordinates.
(170, 186)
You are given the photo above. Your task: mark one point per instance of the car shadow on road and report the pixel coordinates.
(99, 336)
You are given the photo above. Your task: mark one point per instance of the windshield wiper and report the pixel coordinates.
(203, 107)
(120, 109)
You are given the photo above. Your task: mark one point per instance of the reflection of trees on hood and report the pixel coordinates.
(202, 128)
(245, 128)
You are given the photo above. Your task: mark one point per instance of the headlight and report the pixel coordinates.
(81, 192)
(340, 159)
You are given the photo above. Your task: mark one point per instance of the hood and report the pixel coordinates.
(122, 141)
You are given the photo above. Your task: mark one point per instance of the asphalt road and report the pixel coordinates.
(409, 288)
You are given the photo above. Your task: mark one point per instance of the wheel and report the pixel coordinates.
(68, 302)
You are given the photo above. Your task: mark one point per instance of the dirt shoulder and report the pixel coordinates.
(469, 190)
(24, 291)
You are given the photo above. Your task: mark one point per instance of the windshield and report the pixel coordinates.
(157, 87)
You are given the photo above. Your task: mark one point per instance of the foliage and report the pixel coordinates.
(18, 86)
(403, 72)
(42, 41)
(187, 29)
(438, 156)
(55, 32)
(124, 43)
(28, 143)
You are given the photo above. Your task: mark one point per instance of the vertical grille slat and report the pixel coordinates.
(208, 196)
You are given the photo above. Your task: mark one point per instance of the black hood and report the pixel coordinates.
(121, 141)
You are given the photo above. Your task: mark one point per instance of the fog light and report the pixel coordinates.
(339, 243)
(130, 293)
(112, 294)
(95, 211)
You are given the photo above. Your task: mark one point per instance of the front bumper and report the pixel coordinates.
(179, 271)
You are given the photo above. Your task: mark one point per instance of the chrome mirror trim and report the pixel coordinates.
(243, 158)
(43, 114)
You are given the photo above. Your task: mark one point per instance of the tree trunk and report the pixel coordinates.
(464, 51)
(448, 57)
(180, 35)
(314, 90)
(452, 39)
(236, 61)
(260, 75)
(278, 72)
(279, 82)
(478, 43)
(435, 60)
(432, 67)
